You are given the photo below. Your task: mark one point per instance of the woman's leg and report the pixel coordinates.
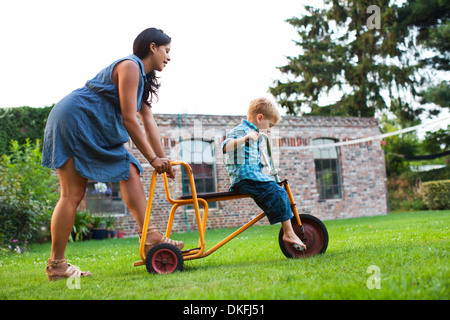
(134, 196)
(73, 188)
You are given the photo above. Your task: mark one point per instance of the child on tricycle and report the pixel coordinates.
(301, 235)
(243, 163)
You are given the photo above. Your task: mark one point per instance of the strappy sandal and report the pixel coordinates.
(56, 270)
(162, 239)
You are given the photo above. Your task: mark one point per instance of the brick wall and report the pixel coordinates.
(363, 175)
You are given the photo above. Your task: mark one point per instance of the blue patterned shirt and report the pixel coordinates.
(244, 162)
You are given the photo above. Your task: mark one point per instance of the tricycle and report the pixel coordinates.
(166, 258)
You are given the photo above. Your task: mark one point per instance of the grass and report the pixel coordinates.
(410, 250)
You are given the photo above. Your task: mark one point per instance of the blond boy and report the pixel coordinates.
(243, 162)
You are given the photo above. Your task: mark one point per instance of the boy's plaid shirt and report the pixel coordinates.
(244, 162)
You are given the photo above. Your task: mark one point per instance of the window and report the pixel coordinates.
(328, 176)
(104, 198)
(200, 155)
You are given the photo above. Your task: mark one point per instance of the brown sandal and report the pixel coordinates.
(59, 269)
(162, 239)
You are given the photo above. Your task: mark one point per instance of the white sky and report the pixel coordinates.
(224, 53)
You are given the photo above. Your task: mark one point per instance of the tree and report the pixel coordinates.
(439, 94)
(343, 53)
(397, 146)
(431, 20)
(20, 124)
(437, 141)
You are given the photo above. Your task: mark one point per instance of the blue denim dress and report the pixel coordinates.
(87, 125)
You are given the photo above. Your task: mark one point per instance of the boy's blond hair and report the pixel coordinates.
(264, 106)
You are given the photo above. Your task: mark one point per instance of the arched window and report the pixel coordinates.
(199, 153)
(328, 172)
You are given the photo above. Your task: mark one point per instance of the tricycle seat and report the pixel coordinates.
(215, 196)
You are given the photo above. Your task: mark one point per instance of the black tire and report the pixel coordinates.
(164, 258)
(315, 237)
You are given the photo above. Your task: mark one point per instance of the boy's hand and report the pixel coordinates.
(253, 136)
(233, 144)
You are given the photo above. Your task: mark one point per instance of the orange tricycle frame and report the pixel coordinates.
(196, 199)
(203, 199)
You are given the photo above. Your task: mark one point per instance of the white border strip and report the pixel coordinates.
(378, 137)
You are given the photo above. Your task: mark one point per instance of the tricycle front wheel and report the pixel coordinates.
(164, 258)
(314, 235)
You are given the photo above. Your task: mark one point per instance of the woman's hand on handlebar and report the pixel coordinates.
(162, 165)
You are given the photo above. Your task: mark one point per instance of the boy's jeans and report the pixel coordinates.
(269, 196)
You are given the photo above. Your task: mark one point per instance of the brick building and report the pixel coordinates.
(330, 183)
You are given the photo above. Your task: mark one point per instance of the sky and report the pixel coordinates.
(223, 53)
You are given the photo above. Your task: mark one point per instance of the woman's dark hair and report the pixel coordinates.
(141, 48)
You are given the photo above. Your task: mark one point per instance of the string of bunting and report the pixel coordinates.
(377, 137)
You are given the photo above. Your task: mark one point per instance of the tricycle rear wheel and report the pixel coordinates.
(314, 236)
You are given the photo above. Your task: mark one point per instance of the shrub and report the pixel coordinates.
(436, 194)
(436, 174)
(28, 193)
(80, 229)
(405, 193)
(22, 221)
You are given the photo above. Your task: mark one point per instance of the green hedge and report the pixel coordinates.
(436, 194)
(20, 124)
(436, 174)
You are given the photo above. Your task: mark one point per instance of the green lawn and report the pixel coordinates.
(409, 250)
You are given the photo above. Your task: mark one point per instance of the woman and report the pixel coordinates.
(84, 140)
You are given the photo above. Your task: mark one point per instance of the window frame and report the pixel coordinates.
(328, 160)
(213, 163)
